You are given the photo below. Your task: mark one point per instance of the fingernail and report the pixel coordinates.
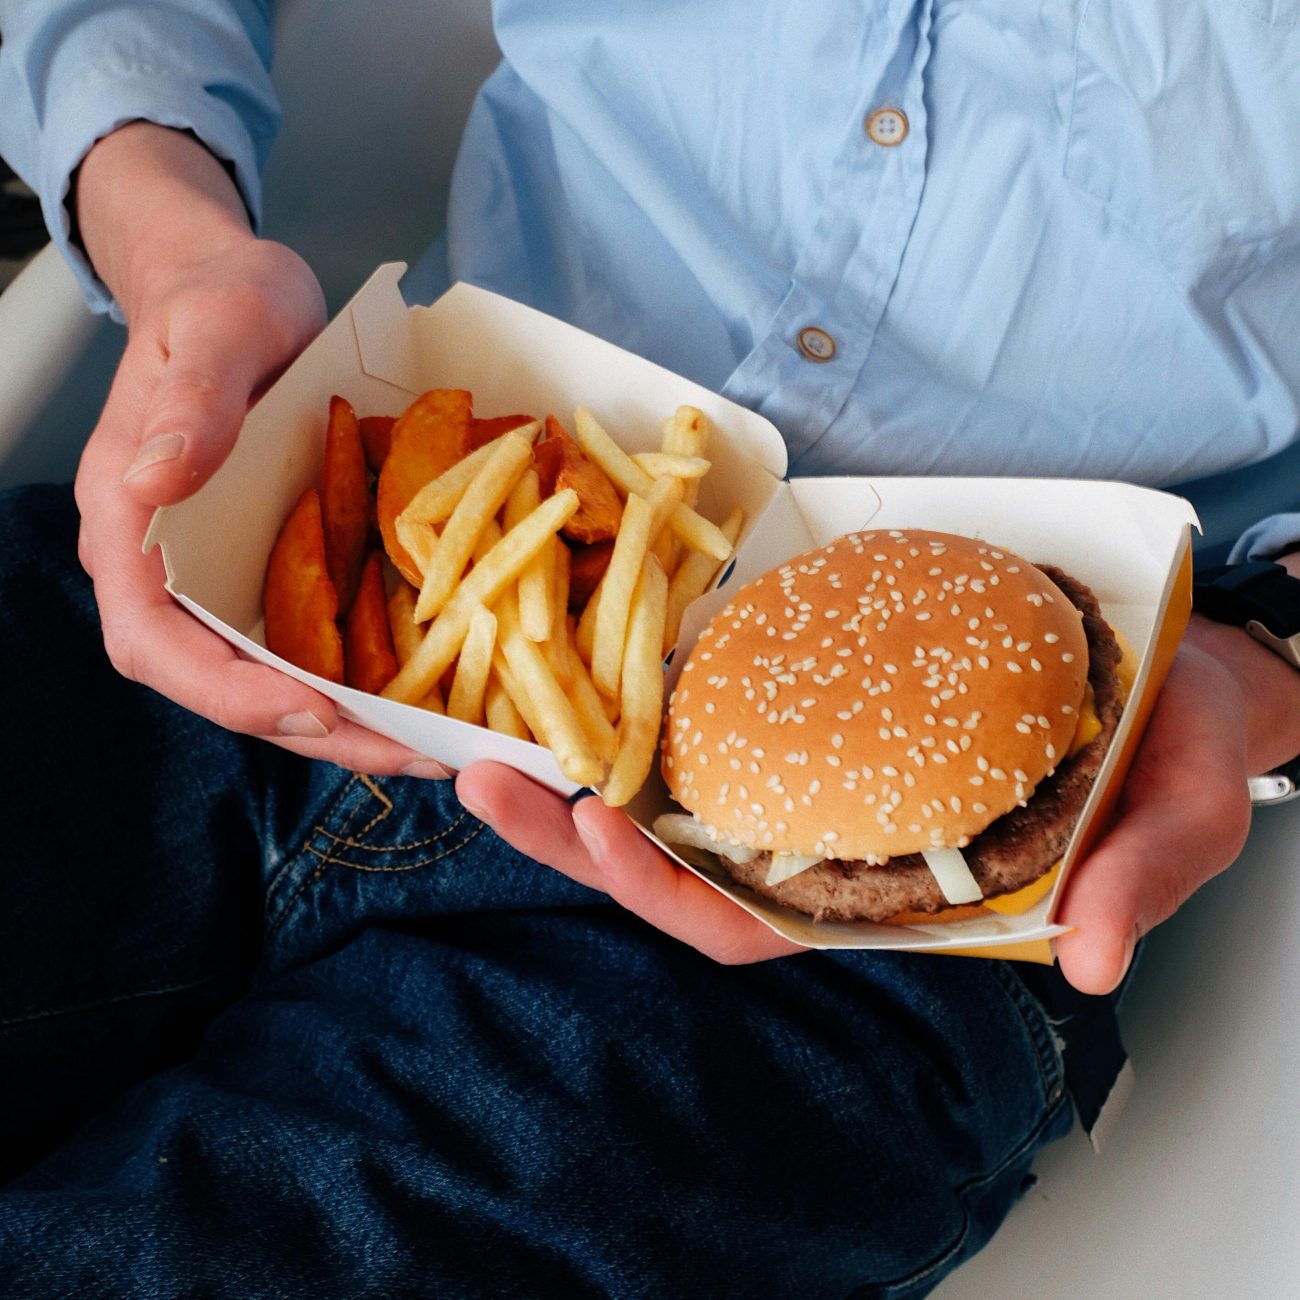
(166, 446)
(428, 769)
(472, 806)
(1125, 961)
(305, 724)
(590, 838)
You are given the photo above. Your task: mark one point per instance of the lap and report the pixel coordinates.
(442, 1069)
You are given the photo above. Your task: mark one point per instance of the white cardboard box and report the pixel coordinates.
(1131, 545)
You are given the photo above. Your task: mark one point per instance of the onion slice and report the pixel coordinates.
(952, 875)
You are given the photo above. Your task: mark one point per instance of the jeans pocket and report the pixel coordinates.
(1183, 119)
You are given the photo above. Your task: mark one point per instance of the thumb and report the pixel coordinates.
(1183, 818)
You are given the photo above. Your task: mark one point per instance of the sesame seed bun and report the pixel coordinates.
(889, 693)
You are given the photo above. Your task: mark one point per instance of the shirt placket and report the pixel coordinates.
(816, 348)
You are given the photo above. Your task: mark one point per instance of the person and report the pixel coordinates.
(307, 1016)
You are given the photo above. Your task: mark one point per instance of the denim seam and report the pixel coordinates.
(1038, 1026)
(1051, 1073)
(963, 1192)
(385, 805)
(356, 841)
(406, 866)
(276, 922)
(346, 792)
(95, 1004)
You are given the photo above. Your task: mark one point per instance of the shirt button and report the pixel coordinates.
(887, 126)
(816, 344)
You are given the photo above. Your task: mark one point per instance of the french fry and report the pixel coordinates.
(517, 696)
(344, 501)
(536, 583)
(487, 539)
(430, 436)
(696, 531)
(642, 688)
(407, 635)
(665, 464)
(686, 434)
(557, 595)
(664, 496)
(485, 582)
(500, 710)
(369, 658)
(561, 464)
(419, 541)
(615, 594)
(484, 496)
(692, 579)
(595, 713)
(435, 501)
(298, 598)
(550, 706)
(466, 698)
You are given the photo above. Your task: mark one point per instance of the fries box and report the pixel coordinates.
(1131, 545)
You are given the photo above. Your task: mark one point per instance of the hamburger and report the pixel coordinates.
(891, 726)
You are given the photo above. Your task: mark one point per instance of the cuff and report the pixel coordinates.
(1269, 537)
(102, 101)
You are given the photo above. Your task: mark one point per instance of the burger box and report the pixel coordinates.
(1131, 545)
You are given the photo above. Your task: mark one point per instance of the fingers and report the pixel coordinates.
(1183, 818)
(602, 848)
(533, 820)
(217, 345)
(674, 900)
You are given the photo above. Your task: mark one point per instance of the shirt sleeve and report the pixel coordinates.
(1268, 538)
(71, 71)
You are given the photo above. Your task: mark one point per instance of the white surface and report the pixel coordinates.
(374, 103)
(1198, 1193)
(55, 363)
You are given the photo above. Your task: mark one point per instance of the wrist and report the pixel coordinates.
(152, 201)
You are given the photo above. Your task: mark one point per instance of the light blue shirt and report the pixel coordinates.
(921, 236)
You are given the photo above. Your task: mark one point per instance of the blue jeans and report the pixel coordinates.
(272, 1029)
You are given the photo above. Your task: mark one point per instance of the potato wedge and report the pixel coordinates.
(344, 501)
(376, 438)
(298, 597)
(561, 463)
(369, 659)
(430, 436)
(587, 565)
(485, 430)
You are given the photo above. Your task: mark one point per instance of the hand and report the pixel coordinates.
(1229, 709)
(214, 316)
(601, 847)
